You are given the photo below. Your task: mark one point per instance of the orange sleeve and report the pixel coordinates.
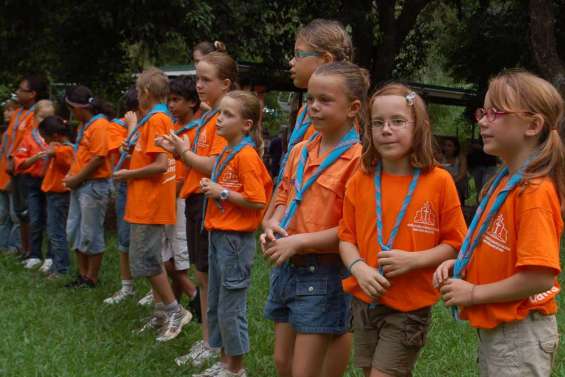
(346, 231)
(155, 127)
(251, 175)
(538, 237)
(22, 153)
(99, 140)
(452, 226)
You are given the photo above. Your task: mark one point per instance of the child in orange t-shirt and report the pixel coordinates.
(59, 154)
(89, 181)
(505, 277)
(30, 165)
(216, 75)
(150, 203)
(306, 301)
(118, 130)
(237, 193)
(419, 224)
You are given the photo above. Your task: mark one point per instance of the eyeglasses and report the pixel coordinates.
(492, 114)
(299, 54)
(394, 123)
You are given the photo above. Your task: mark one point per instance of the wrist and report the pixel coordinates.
(354, 263)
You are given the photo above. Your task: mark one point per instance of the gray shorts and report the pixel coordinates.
(175, 246)
(146, 244)
(87, 211)
(525, 348)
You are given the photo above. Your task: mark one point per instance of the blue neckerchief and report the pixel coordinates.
(470, 243)
(189, 126)
(202, 122)
(120, 122)
(83, 129)
(20, 116)
(300, 127)
(132, 138)
(399, 217)
(300, 187)
(220, 164)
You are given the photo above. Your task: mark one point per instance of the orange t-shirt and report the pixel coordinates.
(525, 232)
(28, 148)
(94, 143)
(117, 133)
(210, 145)
(22, 116)
(433, 217)
(322, 205)
(57, 169)
(152, 200)
(246, 174)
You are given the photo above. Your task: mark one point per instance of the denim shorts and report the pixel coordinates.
(122, 225)
(146, 245)
(309, 298)
(87, 210)
(229, 276)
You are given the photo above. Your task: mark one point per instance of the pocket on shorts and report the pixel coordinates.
(237, 272)
(415, 327)
(310, 287)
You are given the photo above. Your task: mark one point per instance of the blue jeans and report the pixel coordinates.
(9, 225)
(87, 210)
(37, 206)
(57, 209)
(229, 276)
(123, 226)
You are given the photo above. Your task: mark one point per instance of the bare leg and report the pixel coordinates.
(94, 263)
(82, 263)
(203, 280)
(337, 357)
(284, 348)
(162, 288)
(124, 266)
(309, 354)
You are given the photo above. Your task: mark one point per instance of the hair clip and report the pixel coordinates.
(91, 100)
(411, 98)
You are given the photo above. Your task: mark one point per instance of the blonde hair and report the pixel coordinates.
(327, 36)
(226, 67)
(250, 108)
(422, 152)
(519, 90)
(356, 82)
(43, 109)
(153, 81)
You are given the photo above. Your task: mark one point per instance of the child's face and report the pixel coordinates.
(231, 125)
(24, 94)
(8, 111)
(392, 127)
(302, 68)
(209, 86)
(78, 113)
(197, 55)
(506, 134)
(328, 105)
(179, 106)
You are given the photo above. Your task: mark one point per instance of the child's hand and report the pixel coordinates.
(71, 182)
(271, 228)
(121, 175)
(397, 262)
(370, 280)
(179, 146)
(281, 250)
(131, 119)
(210, 189)
(50, 151)
(457, 292)
(162, 142)
(443, 272)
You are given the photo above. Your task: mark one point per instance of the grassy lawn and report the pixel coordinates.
(47, 330)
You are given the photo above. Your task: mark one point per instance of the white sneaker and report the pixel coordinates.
(199, 353)
(46, 266)
(119, 296)
(31, 263)
(227, 373)
(147, 299)
(213, 371)
(174, 324)
(157, 320)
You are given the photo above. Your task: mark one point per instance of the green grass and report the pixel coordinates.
(47, 330)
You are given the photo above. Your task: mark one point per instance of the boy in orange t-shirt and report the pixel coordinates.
(151, 203)
(30, 164)
(89, 181)
(60, 157)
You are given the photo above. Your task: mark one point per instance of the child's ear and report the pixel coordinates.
(354, 108)
(327, 57)
(247, 125)
(226, 85)
(535, 127)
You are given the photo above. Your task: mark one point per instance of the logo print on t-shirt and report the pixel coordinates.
(425, 220)
(497, 234)
(230, 179)
(203, 139)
